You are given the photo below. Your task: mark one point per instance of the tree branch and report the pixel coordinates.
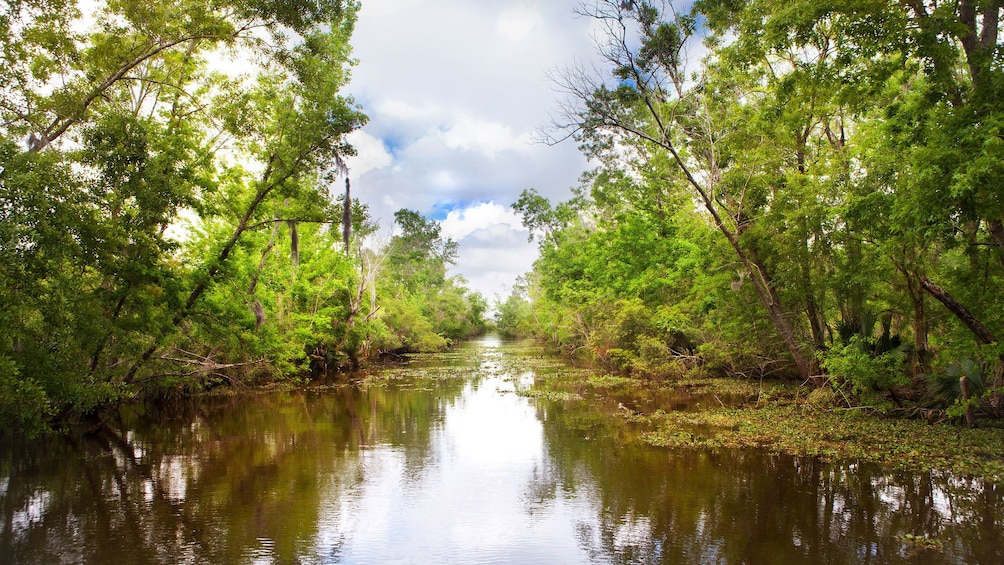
(984, 335)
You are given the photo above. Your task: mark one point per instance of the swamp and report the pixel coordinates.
(488, 453)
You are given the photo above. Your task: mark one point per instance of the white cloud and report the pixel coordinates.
(371, 154)
(494, 247)
(491, 258)
(402, 110)
(372, 8)
(486, 137)
(518, 21)
(462, 222)
(453, 90)
(443, 179)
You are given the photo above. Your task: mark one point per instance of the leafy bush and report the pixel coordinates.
(856, 365)
(23, 403)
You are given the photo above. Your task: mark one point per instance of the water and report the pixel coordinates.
(440, 462)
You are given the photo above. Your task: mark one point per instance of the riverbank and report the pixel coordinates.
(782, 417)
(446, 458)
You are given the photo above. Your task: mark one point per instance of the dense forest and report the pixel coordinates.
(173, 213)
(807, 189)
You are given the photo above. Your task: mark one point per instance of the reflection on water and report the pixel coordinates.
(452, 467)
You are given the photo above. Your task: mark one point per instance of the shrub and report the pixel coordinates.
(23, 403)
(856, 364)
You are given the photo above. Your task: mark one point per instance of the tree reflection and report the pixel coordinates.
(728, 506)
(222, 481)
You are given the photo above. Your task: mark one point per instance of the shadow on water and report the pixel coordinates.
(434, 460)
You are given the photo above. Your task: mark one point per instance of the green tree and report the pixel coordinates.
(424, 309)
(513, 316)
(109, 133)
(699, 129)
(846, 154)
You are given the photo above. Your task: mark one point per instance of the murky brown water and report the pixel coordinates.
(454, 468)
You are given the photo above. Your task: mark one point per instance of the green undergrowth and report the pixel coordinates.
(788, 418)
(834, 434)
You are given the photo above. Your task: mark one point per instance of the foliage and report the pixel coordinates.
(167, 219)
(423, 309)
(23, 403)
(514, 315)
(817, 196)
(857, 365)
(945, 385)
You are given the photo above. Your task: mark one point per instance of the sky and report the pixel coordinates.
(456, 92)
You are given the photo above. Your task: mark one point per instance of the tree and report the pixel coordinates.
(423, 308)
(418, 256)
(847, 154)
(695, 125)
(109, 133)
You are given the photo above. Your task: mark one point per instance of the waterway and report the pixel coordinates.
(438, 459)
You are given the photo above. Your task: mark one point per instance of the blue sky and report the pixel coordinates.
(455, 91)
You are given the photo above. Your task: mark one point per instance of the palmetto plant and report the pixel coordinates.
(945, 385)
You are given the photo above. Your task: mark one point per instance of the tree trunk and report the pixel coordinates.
(920, 329)
(961, 312)
(997, 232)
(807, 366)
(983, 335)
(966, 395)
(997, 392)
(815, 324)
(347, 217)
(256, 307)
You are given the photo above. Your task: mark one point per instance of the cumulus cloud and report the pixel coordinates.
(373, 8)
(461, 223)
(518, 21)
(401, 110)
(492, 256)
(485, 137)
(454, 90)
(372, 154)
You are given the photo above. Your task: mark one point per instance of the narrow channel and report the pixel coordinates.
(439, 460)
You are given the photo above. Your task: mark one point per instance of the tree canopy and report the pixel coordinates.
(168, 212)
(804, 188)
